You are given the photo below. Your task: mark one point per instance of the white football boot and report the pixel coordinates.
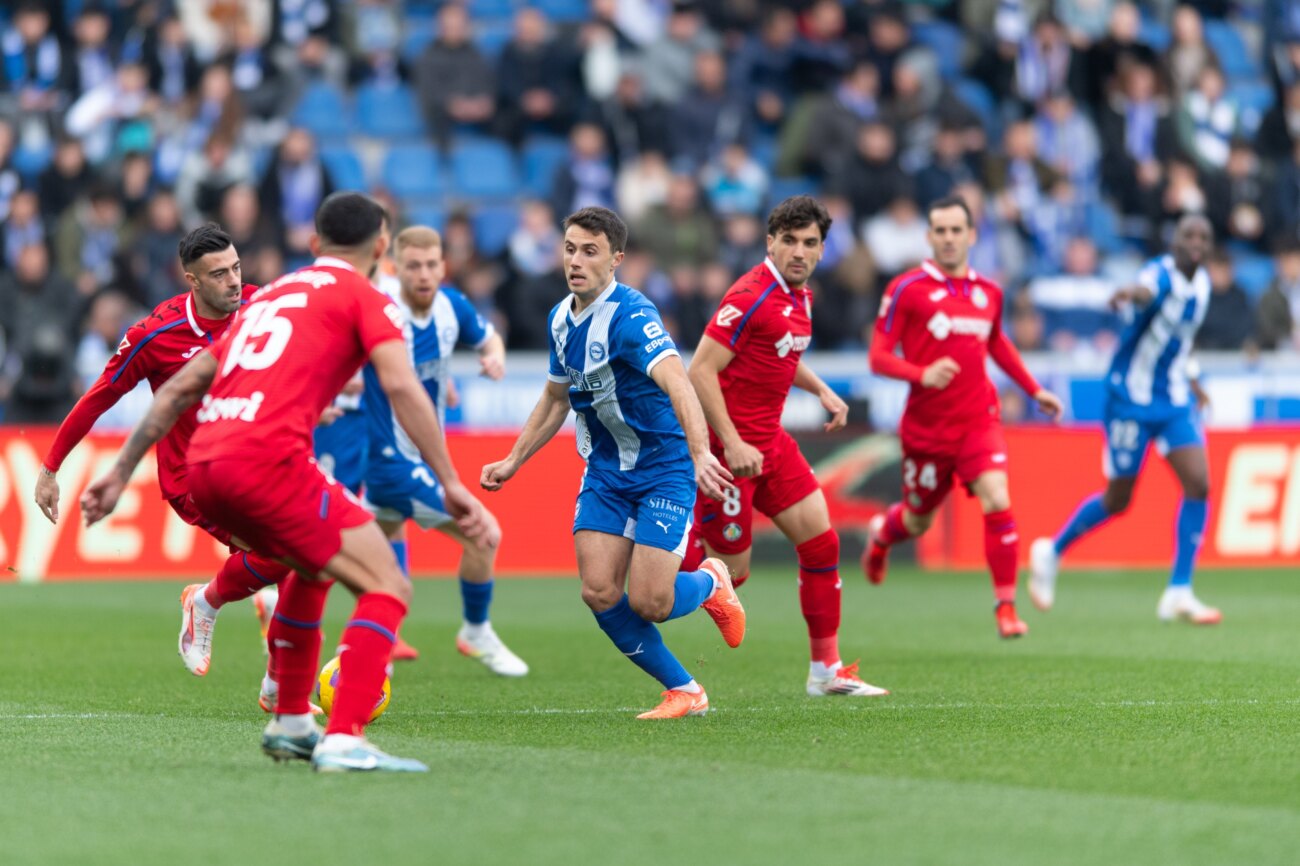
(1177, 602)
(1043, 565)
(195, 642)
(341, 753)
(482, 644)
(843, 681)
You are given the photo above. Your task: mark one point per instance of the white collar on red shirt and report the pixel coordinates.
(331, 262)
(189, 314)
(780, 279)
(934, 271)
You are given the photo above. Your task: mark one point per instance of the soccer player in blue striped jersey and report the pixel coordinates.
(1152, 394)
(398, 484)
(641, 430)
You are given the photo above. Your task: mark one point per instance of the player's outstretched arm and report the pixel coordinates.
(170, 402)
(710, 359)
(710, 475)
(806, 380)
(492, 357)
(1138, 295)
(543, 423)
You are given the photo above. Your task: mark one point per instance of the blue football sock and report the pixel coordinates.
(403, 558)
(1188, 533)
(1088, 516)
(641, 642)
(475, 598)
(692, 588)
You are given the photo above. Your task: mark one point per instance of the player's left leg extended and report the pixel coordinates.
(808, 526)
(476, 638)
(1192, 468)
(1001, 547)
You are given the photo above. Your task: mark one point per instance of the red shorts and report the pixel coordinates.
(787, 478)
(927, 478)
(288, 509)
(189, 512)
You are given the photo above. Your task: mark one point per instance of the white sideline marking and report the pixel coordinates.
(69, 715)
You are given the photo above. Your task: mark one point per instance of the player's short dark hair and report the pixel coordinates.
(947, 202)
(600, 221)
(207, 238)
(796, 212)
(349, 219)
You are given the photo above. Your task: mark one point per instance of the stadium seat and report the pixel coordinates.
(388, 111)
(483, 168)
(542, 158)
(413, 171)
(1254, 99)
(1103, 228)
(1254, 273)
(323, 111)
(424, 214)
(1229, 47)
(493, 225)
(343, 166)
(564, 10)
(30, 162)
(1154, 34)
(500, 9)
(978, 99)
(946, 41)
(417, 32)
(492, 36)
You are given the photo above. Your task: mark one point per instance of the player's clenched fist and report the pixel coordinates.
(940, 373)
(745, 460)
(711, 476)
(497, 474)
(1049, 404)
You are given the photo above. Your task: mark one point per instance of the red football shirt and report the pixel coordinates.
(768, 325)
(154, 348)
(930, 316)
(298, 342)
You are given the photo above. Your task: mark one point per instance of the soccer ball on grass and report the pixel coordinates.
(328, 682)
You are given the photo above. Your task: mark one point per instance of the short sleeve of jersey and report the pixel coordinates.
(640, 338)
(378, 319)
(474, 329)
(728, 324)
(555, 370)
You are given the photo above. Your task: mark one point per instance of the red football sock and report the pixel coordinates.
(695, 553)
(294, 641)
(1002, 550)
(240, 576)
(368, 642)
(819, 594)
(893, 530)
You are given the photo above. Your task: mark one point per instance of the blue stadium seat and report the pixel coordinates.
(30, 162)
(481, 9)
(492, 36)
(483, 168)
(388, 111)
(1154, 34)
(493, 225)
(323, 111)
(425, 214)
(1254, 273)
(564, 10)
(784, 187)
(1229, 47)
(542, 157)
(1103, 228)
(343, 166)
(1254, 99)
(947, 42)
(413, 171)
(980, 100)
(417, 32)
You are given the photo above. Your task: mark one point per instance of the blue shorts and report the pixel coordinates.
(400, 490)
(1130, 428)
(654, 510)
(342, 449)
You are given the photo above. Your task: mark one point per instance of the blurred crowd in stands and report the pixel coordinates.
(1078, 130)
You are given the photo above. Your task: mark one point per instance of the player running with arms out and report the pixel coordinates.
(399, 485)
(1152, 393)
(252, 472)
(946, 320)
(154, 349)
(642, 433)
(742, 371)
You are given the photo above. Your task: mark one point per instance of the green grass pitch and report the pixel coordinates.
(1103, 737)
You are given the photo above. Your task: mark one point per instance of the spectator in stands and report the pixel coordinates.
(872, 178)
(40, 310)
(1236, 196)
(1279, 132)
(173, 69)
(822, 55)
(210, 27)
(460, 248)
(455, 81)
(1207, 120)
(263, 266)
(534, 244)
(1120, 47)
(538, 282)
(536, 80)
(588, 179)
(920, 105)
(668, 64)
(1279, 308)
(1016, 177)
(999, 250)
(1067, 140)
(1046, 63)
(949, 165)
(293, 22)
(88, 238)
(680, 233)
(292, 188)
(888, 39)
(34, 69)
(734, 182)
(111, 313)
(1285, 205)
(833, 125)
(375, 42)
(64, 178)
(708, 117)
(1137, 133)
(1026, 330)
(242, 217)
(635, 124)
(760, 71)
(153, 255)
(1183, 193)
(135, 184)
(1086, 21)
(23, 228)
(1285, 67)
(743, 242)
(216, 108)
(205, 177)
(685, 314)
(642, 184)
(1076, 298)
(10, 180)
(897, 237)
(91, 60)
(1188, 55)
(101, 116)
(1061, 215)
(1229, 320)
(255, 77)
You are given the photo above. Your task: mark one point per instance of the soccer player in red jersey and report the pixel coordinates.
(252, 472)
(742, 371)
(945, 320)
(154, 349)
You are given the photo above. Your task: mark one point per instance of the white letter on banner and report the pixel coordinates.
(1250, 490)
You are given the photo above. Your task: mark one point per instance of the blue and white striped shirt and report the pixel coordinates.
(1150, 366)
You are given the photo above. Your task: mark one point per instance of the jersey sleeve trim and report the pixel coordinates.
(147, 337)
(898, 293)
(559, 380)
(489, 331)
(664, 355)
(740, 326)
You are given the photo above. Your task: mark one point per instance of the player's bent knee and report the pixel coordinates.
(917, 524)
(1196, 488)
(650, 605)
(600, 598)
